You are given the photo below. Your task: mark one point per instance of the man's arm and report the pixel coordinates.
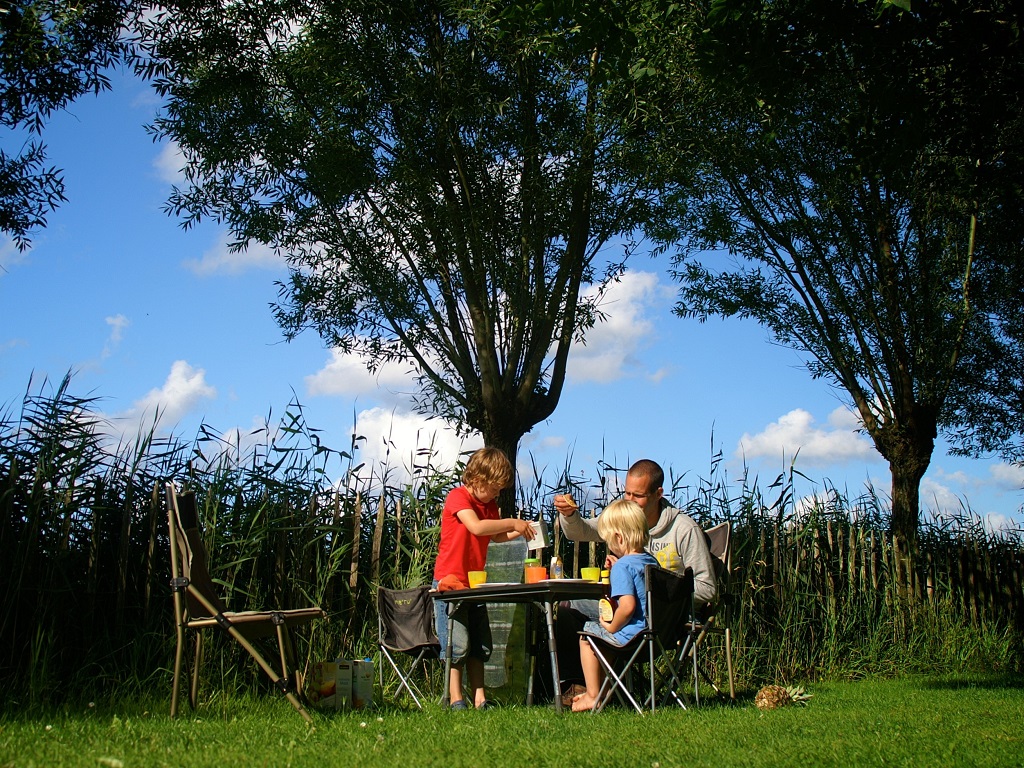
(574, 526)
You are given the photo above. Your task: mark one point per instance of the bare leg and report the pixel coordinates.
(593, 675)
(455, 686)
(475, 670)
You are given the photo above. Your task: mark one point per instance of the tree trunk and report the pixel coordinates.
(510, 445)
(906, 499)
(907, 444)
(906, 439)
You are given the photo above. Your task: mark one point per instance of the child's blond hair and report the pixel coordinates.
(626, 518)
(488, 466)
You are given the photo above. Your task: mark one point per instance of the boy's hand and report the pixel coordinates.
(523, 528)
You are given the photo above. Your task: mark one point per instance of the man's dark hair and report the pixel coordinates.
(651, 470)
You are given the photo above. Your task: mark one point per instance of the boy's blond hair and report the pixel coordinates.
(488, 466)
(627, 518)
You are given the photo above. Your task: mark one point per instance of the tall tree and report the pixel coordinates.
(440, 175)
(51, 52)
(857, 162)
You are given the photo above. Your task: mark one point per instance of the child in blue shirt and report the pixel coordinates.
(623, 526)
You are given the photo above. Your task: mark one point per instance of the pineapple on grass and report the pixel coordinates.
(775, 696)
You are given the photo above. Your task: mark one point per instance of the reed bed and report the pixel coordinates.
(816, 590)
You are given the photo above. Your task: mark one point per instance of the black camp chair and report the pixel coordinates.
(669, 603)
(405, 626)
(709, 619)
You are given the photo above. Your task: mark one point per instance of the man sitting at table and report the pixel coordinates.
(676, 541)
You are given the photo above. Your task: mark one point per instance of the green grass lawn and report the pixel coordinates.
(911, 721)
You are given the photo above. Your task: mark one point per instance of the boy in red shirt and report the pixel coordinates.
(469, 522)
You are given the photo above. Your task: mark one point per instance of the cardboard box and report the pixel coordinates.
(322, 685)
(344, 683)
(341, 684)
(362, 683)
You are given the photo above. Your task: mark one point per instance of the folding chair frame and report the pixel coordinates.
(197, 607)
(669, 604)
(720, 544)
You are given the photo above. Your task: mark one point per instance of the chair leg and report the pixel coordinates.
(671, 683)
(404, 679)
(197, 659)
(620, 687)
(179, 654)
(728, 664)
(287, 656)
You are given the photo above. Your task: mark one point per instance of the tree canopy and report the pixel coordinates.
(441, 177)
(51, 52)
(858, 163)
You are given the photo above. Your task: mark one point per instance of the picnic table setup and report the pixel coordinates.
(544, 595)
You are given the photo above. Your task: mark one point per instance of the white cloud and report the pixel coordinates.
(612, 347)
(9, 254)
(221, 260)
(939, 499)
(796, 431)
(345, 375)
(1008, 477)
(548, 443)
(397, 441)
(170, 163)
(184, 388)
(996, 522)
(118, 324)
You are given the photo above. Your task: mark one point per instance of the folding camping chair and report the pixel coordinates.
(669, 602)
(405, 625)
(708, 619)
(197, 607)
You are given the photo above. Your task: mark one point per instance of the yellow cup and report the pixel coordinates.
(476, 578)
(591, 574)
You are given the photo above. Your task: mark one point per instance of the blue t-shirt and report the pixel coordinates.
(627, 578)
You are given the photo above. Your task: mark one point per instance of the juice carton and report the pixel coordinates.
(321, 687)
(343, 679)
(362, 683)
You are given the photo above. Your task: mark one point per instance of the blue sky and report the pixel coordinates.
(147, 313)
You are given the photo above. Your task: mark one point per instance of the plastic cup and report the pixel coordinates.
(476, 578)
(591, 574)
(535, 573)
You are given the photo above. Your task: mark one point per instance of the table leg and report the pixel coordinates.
(552, 649)
(531, 650)
(446, 696)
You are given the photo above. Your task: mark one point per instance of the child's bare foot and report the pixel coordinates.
(583, 703)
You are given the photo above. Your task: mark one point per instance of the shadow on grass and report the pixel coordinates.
(1008, 681)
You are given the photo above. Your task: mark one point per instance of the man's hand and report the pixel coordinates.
(565, 504)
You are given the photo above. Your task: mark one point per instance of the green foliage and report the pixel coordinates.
(51, 52)
(441, 176)
(838, 154)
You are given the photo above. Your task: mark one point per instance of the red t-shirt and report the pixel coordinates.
(460, 551)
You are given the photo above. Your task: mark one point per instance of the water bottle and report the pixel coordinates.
(556, 567)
